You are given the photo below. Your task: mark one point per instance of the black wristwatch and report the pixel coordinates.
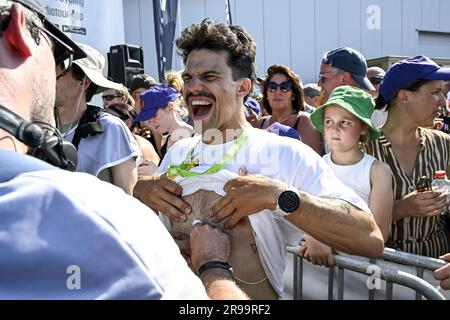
(288, 201)
(215, 265)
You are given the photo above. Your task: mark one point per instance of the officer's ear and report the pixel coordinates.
(16, 32)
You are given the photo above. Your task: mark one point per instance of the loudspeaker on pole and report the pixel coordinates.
(125, 61)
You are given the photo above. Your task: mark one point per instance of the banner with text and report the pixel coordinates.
(98, 23)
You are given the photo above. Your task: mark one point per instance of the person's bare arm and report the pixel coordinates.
(309, 135)
(334, 222)
(148, 151)
(338, 224)
(125, 175)
(381, 196)
(210, 244)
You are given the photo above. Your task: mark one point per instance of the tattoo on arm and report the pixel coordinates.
(254, 248)
(345, 207)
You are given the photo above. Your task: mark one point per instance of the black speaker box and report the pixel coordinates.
(125, 61)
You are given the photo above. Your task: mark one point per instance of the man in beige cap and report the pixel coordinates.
(106, 148)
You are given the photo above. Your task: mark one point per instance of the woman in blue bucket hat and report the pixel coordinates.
(163, 111)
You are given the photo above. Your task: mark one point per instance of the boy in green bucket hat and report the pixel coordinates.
(345, 123)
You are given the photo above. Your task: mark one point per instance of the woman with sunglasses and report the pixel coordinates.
(283, 100)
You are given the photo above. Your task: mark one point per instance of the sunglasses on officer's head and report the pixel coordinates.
(284, 86)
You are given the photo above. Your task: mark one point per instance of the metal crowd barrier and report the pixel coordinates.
(391, 276)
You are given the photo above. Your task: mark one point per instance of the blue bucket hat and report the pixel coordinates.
(404, 73)
(155, 98)
(283, 131)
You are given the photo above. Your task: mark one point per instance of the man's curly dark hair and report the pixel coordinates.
(233, 39)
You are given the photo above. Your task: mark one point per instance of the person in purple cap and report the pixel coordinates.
(284, 131)
(163, 112)
(252, 111)
(412, 91)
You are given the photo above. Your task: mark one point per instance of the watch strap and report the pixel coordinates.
(215, 265)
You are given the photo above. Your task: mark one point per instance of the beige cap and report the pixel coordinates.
(93, 66)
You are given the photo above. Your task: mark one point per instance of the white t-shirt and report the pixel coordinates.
(281, 158)
(67, 235)
(108, 149)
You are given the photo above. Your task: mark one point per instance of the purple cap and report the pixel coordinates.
(283, 131)
(155, 98)
(404, 73)
(252, 104)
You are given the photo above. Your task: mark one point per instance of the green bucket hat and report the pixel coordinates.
(356, 101)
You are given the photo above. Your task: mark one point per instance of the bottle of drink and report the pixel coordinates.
(442, 184)
(440, 181)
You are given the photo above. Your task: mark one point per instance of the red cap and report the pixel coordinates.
(440, 174)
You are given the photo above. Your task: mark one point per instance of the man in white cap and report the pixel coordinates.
(106, 148)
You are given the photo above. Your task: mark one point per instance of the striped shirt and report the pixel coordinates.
(425, 236)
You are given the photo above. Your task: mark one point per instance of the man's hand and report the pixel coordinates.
(247, 195)
(443, 273)
(207, 244)
(162, 194)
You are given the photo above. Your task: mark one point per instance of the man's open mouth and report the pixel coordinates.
(200, 108)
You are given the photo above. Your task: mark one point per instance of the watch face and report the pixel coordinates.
(288, 201)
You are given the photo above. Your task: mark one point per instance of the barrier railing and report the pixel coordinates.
(421, 263)
(390, 275)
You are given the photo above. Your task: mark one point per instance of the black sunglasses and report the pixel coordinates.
(65, 67)
(284, 86)
(110, 97)
(376, 80)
